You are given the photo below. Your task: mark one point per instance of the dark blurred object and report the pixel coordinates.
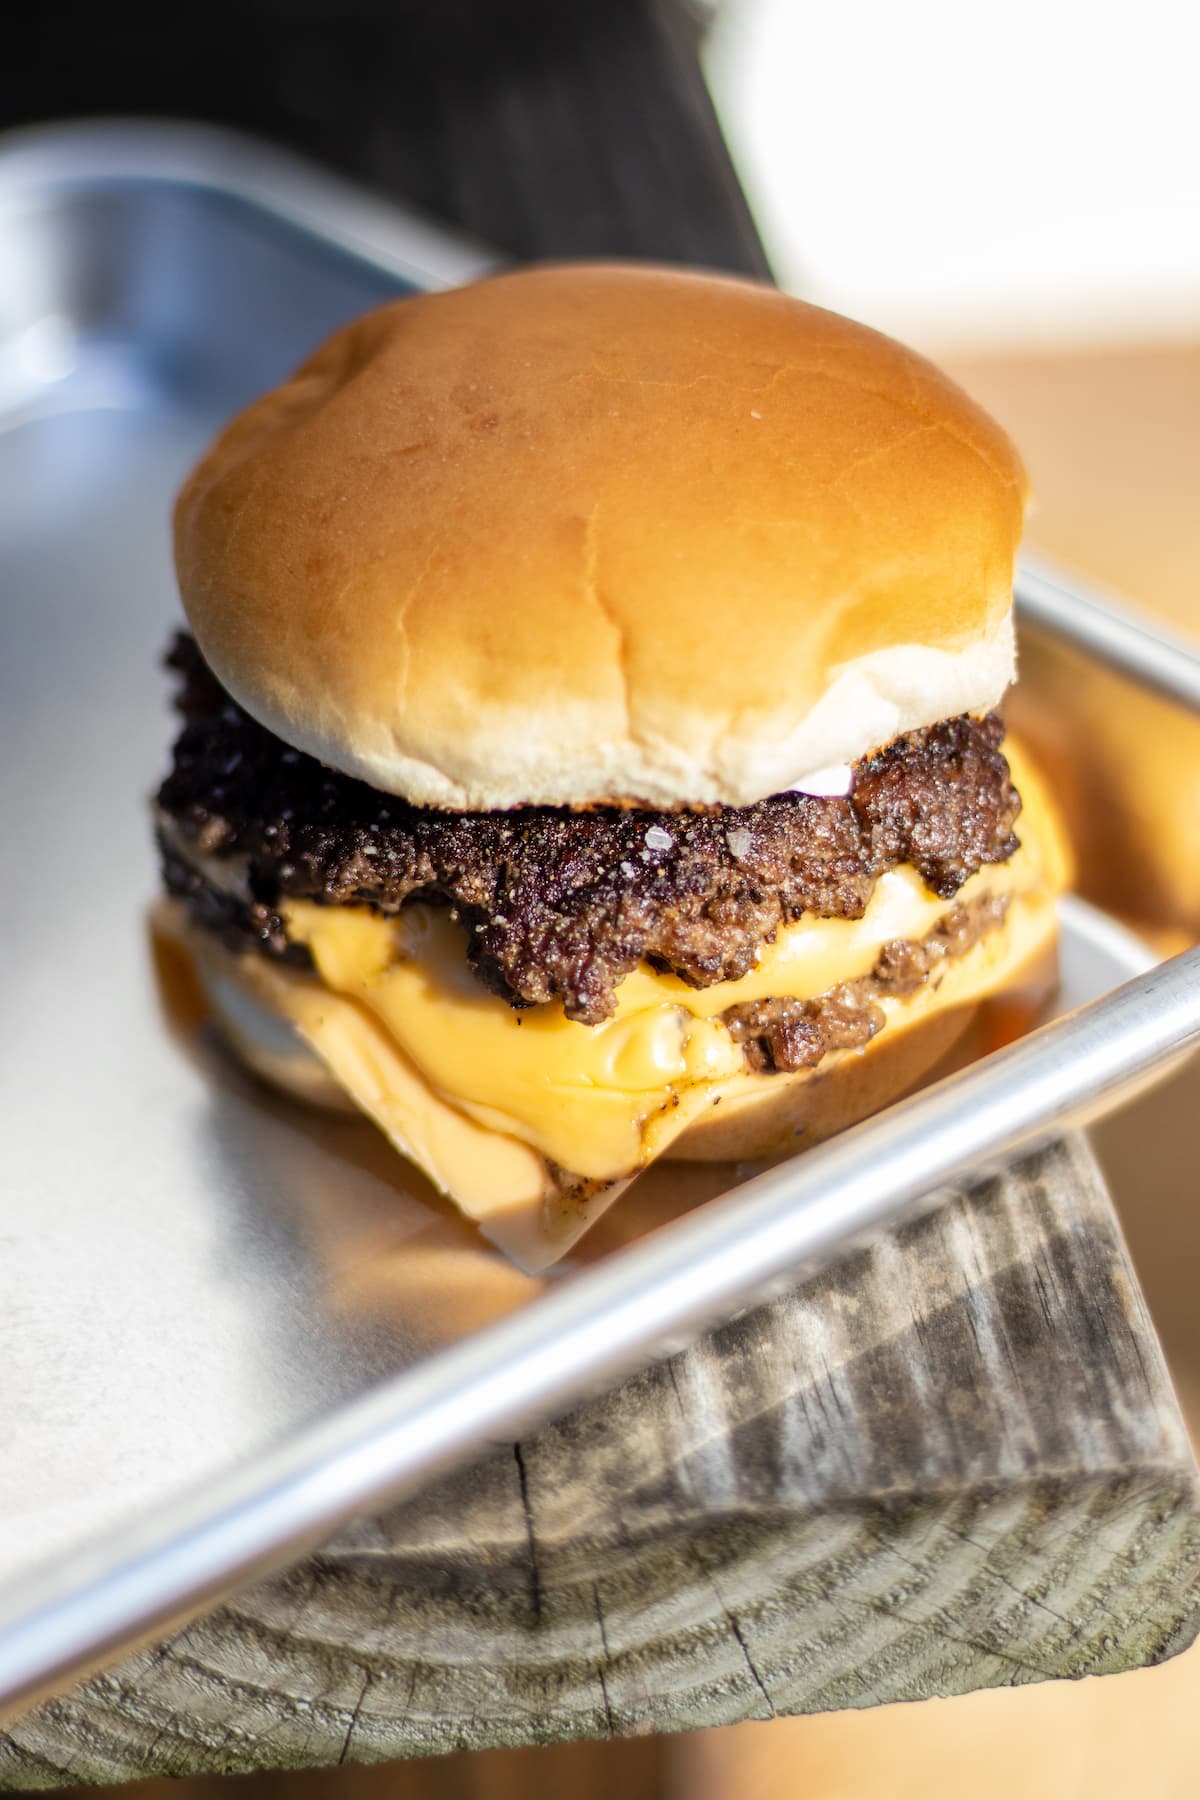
(546, 127)
(634, 1768)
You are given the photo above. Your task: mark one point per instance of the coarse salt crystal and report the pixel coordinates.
(740, 843)
(658, 839)
(628, 870)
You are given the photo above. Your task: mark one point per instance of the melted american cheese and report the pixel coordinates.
(585, 1096)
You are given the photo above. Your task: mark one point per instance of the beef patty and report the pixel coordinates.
(554, 903)
(779, 1036)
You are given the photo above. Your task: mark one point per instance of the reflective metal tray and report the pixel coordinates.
(204, 1291)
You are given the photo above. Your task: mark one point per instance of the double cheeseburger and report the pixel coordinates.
(589, 746)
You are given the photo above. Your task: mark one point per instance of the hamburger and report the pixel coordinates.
(589, 745)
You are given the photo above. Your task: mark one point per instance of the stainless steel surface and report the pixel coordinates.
(1100, 626)
(197, 1278)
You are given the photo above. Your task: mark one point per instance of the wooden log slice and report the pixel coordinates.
(952, 1461)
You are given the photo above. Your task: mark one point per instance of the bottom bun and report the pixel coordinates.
(267, 1042)
(780, 1114)
(975, 1003)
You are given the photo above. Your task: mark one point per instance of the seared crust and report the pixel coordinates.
(558, 904)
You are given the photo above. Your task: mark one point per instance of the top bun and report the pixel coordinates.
(590, 534)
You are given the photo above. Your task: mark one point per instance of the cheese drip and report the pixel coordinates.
(586, 1097)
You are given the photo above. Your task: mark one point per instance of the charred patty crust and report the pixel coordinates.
(556, 903)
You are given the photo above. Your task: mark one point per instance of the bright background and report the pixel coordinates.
(964, 175)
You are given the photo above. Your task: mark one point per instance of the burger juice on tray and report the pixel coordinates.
(589, 747)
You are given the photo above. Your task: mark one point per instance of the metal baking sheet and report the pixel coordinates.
(206, 1292)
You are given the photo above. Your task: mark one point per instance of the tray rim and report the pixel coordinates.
(56, 1622)
(41, 160)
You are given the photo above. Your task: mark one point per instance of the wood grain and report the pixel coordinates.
(952, 1461)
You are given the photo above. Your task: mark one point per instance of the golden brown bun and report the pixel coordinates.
(584, 533)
